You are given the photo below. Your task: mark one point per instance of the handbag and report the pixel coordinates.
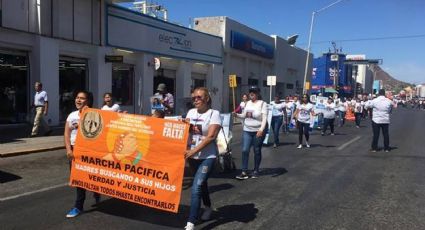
(225, 162)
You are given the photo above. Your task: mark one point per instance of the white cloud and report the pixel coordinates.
(407, 72)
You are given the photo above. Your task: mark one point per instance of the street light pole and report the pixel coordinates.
(309, 40)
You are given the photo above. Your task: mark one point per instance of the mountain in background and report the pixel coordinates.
(389, 83)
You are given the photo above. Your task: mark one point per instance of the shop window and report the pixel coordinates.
(123, 84)
(198, 83)
(14, 88)
(290, 86)
(72, 78)
(252, 82)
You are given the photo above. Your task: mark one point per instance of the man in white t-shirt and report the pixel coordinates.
(41, 106)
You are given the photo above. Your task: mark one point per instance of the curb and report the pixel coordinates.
(28, 151)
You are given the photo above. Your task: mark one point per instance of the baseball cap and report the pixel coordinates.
(161, 87)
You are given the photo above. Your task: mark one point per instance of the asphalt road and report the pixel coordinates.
(336, 184)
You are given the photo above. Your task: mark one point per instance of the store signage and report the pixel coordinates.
(334, 57)
(114, 58)
(242, 42)
(137, 32)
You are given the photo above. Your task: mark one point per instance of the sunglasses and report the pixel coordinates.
(196, 98)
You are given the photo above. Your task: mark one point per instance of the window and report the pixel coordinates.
(289, 86)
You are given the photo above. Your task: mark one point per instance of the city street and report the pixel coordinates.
(336, 184)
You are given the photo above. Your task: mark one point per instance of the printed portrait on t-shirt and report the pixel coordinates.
(249, 114)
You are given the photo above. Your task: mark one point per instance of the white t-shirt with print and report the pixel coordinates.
(277, 109)
(358, 107)
(115, 108)
(289, 108)
(200, 123)
(329, 111)
(254, 115)
(73, 119)
(304, 112)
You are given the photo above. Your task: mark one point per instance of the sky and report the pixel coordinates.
(399, 25)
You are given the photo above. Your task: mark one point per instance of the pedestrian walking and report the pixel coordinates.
(242, 105)
(358, 112)
(289, 107)
(304, 114)
(108, 103)
(83, 100)
(41, 105)
(329, 116)
(205, 125)
(278, 111)
(254, 130)
(381, 109)
(166, 99)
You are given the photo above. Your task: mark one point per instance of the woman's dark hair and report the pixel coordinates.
(108, 94)
(89, 97)
(305, 96)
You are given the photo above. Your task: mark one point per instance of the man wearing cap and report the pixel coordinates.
(167, 100)
(41, 106)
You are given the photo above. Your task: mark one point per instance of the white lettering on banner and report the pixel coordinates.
(258, 47)
(175, 41)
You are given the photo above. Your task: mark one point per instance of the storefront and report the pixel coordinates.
(14, 87)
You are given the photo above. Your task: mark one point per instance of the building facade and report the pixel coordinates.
(94, 45)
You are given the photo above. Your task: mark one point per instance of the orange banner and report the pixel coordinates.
(130, 157)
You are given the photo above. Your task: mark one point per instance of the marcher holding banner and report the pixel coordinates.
(83, 100)
(304, 114)
(205, 125)
(254, 129)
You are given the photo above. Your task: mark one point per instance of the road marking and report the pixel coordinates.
(348, 143)
(33, 192)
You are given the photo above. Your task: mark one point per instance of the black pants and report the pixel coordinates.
(303, 128)
(81, 195)
(358, 117)
(376, 130)
(329, 122)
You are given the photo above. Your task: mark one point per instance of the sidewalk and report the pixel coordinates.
(22, 146)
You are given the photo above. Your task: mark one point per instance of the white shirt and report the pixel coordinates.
(242, 105)
(304, 113)
(358, 107)
(40, 98)
(382, 107)
(329, 111)
(255, 115)
(277, 109)
(289, 108)
(73, 119)
(168, 98)
(200, 123)
(115, 108)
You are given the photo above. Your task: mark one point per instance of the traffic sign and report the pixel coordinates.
(271, 80)
(232, 81)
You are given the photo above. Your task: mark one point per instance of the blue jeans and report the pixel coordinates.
(250, 139)
(203, 169)
(275, 125)
(341, 115)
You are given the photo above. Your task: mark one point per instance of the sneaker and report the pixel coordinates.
(332, 134)
(307, 145)
(189, 226)
(274, 145)
(243, 176)
(73, 213)
(387, 150)
(323, 134)
(254, 175)
(207, 213)
(299, 146)
(357, 126)
(373, 150)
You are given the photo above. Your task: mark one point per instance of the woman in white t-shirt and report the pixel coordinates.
(289, 107)
(358, 112)
(108, 103)
(254, 130)
(83, 100)
(303, 115)
(205, 124)
(278, 110)
(242, 105)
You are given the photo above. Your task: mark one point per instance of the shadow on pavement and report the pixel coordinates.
(8, 177)
(243, 213)
(140, 213)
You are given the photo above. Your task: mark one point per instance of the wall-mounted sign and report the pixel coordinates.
(114, 58)
(137, 32)
(242, 42)
(271, 80)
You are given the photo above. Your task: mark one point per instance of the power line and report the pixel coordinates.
(371, 39)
